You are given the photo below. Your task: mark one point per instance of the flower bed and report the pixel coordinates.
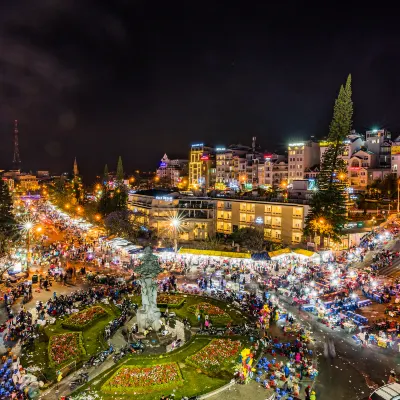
(134, 379)
(85, 318)
(213, 357)
(212, 311)
(170, 300)
(65, 347)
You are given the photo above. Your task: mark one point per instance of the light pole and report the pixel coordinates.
(28, 226)
(175, 225)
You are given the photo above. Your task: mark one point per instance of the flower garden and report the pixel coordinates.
(214, 312)
(65, 347)
(170, 300)
(215, 356)
(85, 318)
(136, 379)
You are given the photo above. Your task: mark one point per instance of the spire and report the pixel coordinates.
(76, 171)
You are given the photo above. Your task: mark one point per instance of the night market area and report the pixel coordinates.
(97, 317)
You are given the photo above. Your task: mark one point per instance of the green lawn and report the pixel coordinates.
(92, 336)
(236, 316)
(195, 383)
(37, 357)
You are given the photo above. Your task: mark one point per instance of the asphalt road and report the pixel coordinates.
(355, 371)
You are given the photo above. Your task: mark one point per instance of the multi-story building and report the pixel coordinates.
(301, 156)
(378, 141)
(353, 143)
(273, 172)
(358, 167)
(202, 171)
(395, 157)
(171, 172)
(231, 166)
(22, 182)
(157, 210)
(280, 222)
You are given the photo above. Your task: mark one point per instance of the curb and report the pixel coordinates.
(217, 391)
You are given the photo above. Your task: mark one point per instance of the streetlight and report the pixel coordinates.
(28, 226)
(175, 223)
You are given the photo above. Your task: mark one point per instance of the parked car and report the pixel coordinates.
(391, 391)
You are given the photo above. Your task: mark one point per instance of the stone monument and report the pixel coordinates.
(148, 315)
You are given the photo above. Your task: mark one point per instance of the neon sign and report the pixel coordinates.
(220, 149)
(204, 158)
(198, 145)
(296, 144)
(163, 164)
(164, 198)
(259, 220)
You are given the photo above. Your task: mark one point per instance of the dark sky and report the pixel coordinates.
(97, 79)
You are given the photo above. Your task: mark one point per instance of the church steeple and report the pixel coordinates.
(76, 171)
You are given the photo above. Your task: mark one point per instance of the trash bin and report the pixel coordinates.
(35, 278)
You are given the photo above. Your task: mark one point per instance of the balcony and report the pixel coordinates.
(279, 226)
(297, 228)
(277, 212)
(250, 211)
(300, 216)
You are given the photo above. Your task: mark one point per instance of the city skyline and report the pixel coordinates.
(131, 74)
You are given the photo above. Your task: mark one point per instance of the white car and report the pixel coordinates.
(391, 391)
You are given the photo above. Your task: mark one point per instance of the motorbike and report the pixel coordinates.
(82, 378)
(137, 347)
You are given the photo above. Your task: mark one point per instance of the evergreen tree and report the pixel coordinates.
(332, 164)
(8, 225)
(328, 212)
(105, 175)
(120, 170)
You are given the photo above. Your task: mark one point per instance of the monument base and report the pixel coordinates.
(148, 319)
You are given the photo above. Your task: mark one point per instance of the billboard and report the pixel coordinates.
(395, 149)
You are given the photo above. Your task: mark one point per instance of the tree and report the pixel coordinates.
(211, 243)
(328, 212)
(8, 225)
(125, 224)
(250, 238)
(332, 164)
(105, 175)
(120, 170)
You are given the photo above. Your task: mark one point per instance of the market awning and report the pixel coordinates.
(215, 253)
(303, 252)
(278, 253)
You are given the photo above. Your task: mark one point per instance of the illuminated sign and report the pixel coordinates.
(163, 164)
(259, 220)
(395, 150)
(198, 145)
(220, 149)
(295, 144)
(204, 158)
(312, 184)
(268, 156)
(164, 198)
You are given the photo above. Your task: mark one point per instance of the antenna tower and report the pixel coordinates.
(16, 159)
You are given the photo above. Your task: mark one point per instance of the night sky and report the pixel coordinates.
(98, 79)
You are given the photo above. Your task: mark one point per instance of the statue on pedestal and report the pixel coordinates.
(148, 270)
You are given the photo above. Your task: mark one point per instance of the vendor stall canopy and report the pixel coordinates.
(214, 253)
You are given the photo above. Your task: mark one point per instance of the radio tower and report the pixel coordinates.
(16, 160)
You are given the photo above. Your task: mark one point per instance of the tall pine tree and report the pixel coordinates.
(120, 170)
(105, 175)
(328, 212)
